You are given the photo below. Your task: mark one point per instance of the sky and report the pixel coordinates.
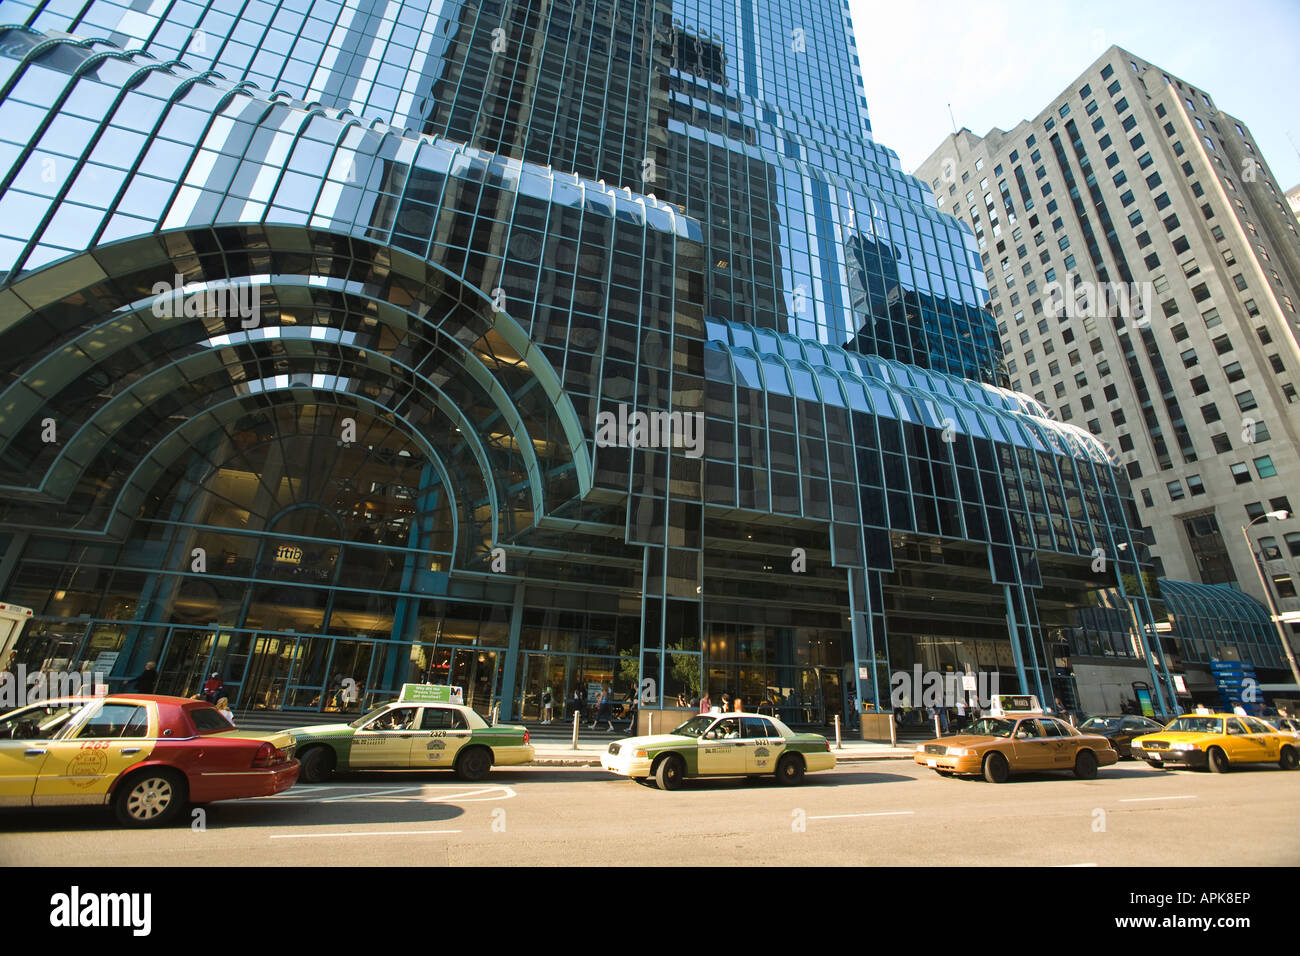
(1001, 61)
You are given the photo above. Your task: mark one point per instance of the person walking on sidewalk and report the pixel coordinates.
(548, 704)
(632, 704)
(602, 712)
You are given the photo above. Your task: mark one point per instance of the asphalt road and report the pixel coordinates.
(882, 812)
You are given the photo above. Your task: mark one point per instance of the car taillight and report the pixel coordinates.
(525, 736)
(828, 745)
(268, 756)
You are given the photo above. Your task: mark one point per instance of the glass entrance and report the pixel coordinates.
(184, 660)
(540, 672)
(474, 669)
(268, 672)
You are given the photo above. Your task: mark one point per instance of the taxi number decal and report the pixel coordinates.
(94, 745)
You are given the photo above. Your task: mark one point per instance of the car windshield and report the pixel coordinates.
(694, 727)
(1101, 723)
(1196, 725)
(38, 723)
(991, 727)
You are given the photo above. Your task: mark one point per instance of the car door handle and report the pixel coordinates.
(34, 752)
(127, 751)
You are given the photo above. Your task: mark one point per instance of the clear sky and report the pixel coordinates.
(1000, 61)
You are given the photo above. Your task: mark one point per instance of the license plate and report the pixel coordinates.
(1156, 757)
(931, 762)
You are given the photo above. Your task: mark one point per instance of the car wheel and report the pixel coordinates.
(151, 798)
(474, 763)
(669, 772)
(1217, 760)
(316, 765)
(1288, 759)
(790, 769)
(996, 768)
(1085, 765)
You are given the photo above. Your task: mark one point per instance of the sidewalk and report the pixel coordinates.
(554, 754)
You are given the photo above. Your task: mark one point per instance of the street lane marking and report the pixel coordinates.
(357, 833)
(1146, 799)
(371, 793)
(845, 816)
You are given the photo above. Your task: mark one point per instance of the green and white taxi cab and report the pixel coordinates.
(720, 745)
(427, 727)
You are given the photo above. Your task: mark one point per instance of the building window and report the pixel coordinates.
(1264, 466)
(1209, 553)
(1240, 473)
(1175, 490)
(1195, 485)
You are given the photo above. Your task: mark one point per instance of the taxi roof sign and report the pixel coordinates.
(1015, 705)
(432, 694)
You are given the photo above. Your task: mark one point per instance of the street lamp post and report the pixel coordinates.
(1268, 592)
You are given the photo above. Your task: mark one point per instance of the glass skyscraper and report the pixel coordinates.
(511, 344)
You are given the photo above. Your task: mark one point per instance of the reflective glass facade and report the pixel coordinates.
(310, 317)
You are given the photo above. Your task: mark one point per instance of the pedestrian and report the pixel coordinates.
(575, 703)
(632, 705)
(223, 705)
(726, 702)
(737, 706)
(147, 679)
(961, 713)
(547, 706)
(705, 703)
(214, 688)
(1239, 710)
(602, 712)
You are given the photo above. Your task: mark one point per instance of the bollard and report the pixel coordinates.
(576, 718)
(839, 743)
(937, 731)
(650, 724)
(893, 731)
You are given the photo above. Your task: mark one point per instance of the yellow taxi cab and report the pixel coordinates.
(1217, 741)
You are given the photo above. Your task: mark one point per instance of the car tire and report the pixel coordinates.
(790, 770)
(1085, 765)
(996, 768)
(316, 765)
(1217, 760)
(473, 763)
(1288, 759)
(151, 798)
(669, 772)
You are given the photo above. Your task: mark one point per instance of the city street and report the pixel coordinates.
(879, 812)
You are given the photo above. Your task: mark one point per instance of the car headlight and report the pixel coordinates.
(960, 752)
(1183, 746)
(920, 748)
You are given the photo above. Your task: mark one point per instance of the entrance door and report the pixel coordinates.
(540, 672)
(268, 669)
(475, 671)
(181, 670)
